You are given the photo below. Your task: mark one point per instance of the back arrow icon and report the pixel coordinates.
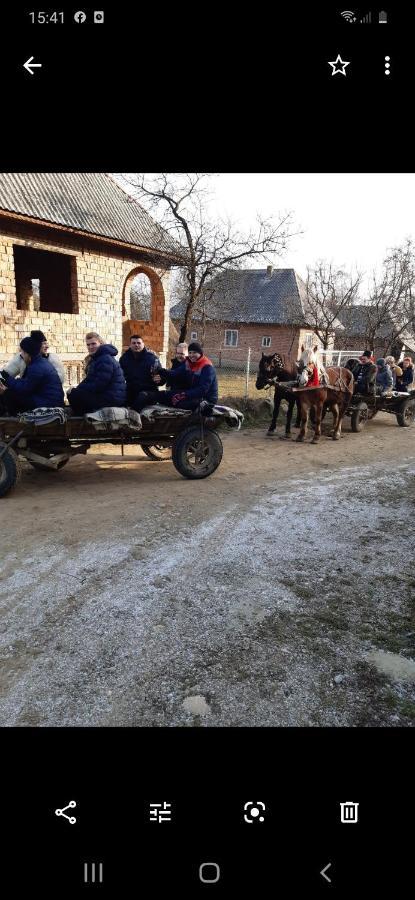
(29, 65)
(323, 872)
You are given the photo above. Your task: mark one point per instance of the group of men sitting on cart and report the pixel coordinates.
(34, 378)
(371, 378)
(383, 377)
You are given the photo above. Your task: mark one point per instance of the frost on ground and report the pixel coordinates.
(270, 612)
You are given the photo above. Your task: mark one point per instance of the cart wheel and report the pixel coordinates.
(406, 414)
(10, 470)
(359, 417)
(196, 458)
(40, 468)
(372, 412)
(157, 452)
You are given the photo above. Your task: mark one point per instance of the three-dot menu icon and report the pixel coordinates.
(387, 65)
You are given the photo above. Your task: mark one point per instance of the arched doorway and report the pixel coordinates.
(143, 303)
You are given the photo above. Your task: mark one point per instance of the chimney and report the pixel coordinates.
(269, 270)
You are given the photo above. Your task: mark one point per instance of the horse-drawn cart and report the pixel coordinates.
(189, 439)
(363, 408)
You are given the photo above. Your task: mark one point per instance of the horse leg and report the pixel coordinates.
(318, 408)
(277, 404)
(298, 419)
(336, 421)
(304, 419)
(289, 417)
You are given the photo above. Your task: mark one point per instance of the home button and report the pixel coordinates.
(209, 873)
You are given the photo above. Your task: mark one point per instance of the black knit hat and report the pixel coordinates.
(367, 353)
(196, 347)
(30, 346)
(38, 336)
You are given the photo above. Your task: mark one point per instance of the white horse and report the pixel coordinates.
(308, 359)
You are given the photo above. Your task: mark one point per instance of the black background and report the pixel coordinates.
(150, 90)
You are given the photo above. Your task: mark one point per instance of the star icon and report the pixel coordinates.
(339, 66)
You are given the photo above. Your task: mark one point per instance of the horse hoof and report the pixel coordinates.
(299, 440)
(315, 441)
(271, 433)
(336, 437)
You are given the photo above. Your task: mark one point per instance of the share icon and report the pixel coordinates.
(61, 812)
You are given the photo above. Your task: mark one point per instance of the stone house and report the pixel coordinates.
(261, 309)
(71, 249)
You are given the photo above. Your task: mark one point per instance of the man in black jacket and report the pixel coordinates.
(365, 377)
(138, 365)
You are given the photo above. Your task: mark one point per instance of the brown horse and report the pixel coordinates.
(336, 395)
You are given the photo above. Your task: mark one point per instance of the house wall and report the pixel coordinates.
(101, 278)
(285, 340)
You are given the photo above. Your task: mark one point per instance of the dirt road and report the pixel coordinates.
(276, 592)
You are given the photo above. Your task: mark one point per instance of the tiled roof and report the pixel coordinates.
(254, 295)
(88, 202)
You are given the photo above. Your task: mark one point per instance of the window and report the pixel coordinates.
(231, 338)
(45, 281)
(193, 335)
(266, 341)
(308, 341)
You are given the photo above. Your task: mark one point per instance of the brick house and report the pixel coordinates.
(258, 308)
(71, 249)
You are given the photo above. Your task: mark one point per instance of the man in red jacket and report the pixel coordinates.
(193, 381)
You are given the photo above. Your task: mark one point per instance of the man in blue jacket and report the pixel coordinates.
(41, 385)
(138, 365)
(197, 380)
(104, 384)
(384, 379)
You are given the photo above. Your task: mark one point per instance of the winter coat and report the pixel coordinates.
(104, 384)
(197, 380)
(404, 381)
(396, 374)
(137, 371)
(366, 378)
(384, 379)
(41, 386)
(17, 366)
(180, 384)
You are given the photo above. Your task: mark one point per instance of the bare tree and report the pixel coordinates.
(181, 203)
(390, 310)
(330, 291)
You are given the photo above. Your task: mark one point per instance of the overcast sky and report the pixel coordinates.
(348, 219)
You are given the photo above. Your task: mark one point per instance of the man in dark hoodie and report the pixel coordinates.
(138, 364)
(104, 383)
(197, 380)
(41, 385)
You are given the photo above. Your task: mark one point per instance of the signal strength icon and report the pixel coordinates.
(348, 15)
(367, 18)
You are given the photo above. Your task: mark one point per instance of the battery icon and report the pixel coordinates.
(383, 17)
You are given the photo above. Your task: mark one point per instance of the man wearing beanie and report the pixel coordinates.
(365, 375)
(41, 385)
(17, 366)
(198, 376)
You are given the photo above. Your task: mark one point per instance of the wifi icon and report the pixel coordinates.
(348, 15)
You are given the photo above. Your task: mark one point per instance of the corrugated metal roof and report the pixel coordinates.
(254, 295)
(89, 202)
